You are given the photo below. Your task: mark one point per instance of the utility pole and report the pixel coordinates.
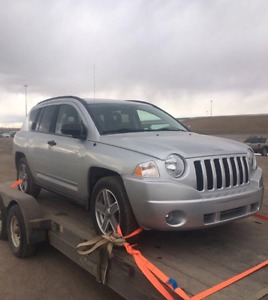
(25, 86)
(211, 102)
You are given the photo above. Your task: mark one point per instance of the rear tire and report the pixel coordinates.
(27, 186)
(110, 207)
(16, 232)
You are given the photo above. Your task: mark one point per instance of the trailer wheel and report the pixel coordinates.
(110, 206)
(3, 230)
(16, 232)
(27, 186)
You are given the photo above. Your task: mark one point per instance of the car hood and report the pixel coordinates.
(186, 144)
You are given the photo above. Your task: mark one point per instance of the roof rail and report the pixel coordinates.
(62, 97)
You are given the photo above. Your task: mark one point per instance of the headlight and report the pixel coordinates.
(147, 169)
(251, 159)
(175, 165)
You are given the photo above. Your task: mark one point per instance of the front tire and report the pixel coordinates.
(110, 207)
(16, 232)
(27, 186)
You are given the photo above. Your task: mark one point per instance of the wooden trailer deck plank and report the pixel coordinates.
(205, 258)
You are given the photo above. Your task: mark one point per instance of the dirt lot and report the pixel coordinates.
(241, 125)
(49, 274)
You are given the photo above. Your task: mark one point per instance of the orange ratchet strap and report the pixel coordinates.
(265, 218)
(16, 183)
(228, 282)
(152, 273)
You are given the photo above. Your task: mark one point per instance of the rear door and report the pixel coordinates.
(66, 169)
(55, 159)
(41, 123)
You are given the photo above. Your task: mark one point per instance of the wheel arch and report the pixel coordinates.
(31, 211)
(94, 175)
(18, 156)
(3, 212)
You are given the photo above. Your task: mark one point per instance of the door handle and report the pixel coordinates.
(52, 143)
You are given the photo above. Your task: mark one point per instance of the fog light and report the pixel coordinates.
(175, 218)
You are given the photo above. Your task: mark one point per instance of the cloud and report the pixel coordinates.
(177, 54)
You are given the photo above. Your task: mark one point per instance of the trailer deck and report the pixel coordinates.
(197, 260)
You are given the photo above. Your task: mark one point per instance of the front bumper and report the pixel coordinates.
(165, 205)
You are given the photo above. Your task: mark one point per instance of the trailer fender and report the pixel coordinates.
(35, 223)
(3, 231)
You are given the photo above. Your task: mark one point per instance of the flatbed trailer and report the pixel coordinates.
(197, 260)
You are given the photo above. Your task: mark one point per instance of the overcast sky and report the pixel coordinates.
(186, 56)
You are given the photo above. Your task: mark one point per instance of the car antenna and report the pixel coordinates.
(94, 82)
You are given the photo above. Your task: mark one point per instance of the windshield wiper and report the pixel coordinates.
(169, 129)
(130, 130)
(122, 130)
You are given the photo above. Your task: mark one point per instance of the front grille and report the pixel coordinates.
(220, 173)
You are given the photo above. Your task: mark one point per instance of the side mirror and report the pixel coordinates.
(76, 130)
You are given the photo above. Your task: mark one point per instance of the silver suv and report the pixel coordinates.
(130, 162)
(258, 144)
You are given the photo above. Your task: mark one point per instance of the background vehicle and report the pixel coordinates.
(259, 144)
(131, 163)
(5, 135)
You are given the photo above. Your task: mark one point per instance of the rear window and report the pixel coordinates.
(253, 140)
(256, 139)
(33, 118)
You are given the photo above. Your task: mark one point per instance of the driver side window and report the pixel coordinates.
(67, 114)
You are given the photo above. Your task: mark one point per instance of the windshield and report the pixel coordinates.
(112, 118)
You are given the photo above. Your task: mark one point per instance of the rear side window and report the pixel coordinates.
(33, 119)
(253, 140)
(47, 118)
